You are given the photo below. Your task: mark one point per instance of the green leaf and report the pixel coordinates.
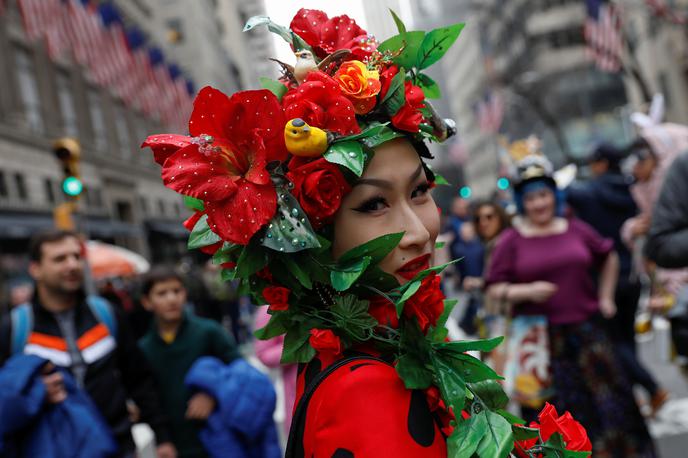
(522, 433)
(296, 347)
(347, 153)
(228, 274)
(435, 44)
(275, 327)
(470, 369)
(498, 440)
(374, 128)
(351, 315)
(384, 136)
(450, 382)
(440, 180)
(490, 393)
(344, 275)
(193, 204)
(395, 98)
(227, 253)
(300, 44)
(511, 418)
(289, 230)
(400, 25)
(462, 346)
(440, 331)
(273, 86)
(414, 374)
(377, 249)
(411, 289)
(296, 270)
(430, 88)
(409, 44)
(201, 235)
(464, 441)
(251, 260)
(440, 245)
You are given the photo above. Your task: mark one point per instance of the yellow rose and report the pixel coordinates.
(359, 85)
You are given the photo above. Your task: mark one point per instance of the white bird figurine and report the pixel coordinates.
(305, 63)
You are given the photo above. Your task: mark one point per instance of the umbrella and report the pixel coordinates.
(107, 260)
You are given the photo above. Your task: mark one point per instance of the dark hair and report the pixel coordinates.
(502, 217)
(641, 149)
(158, 274)
(48, 236)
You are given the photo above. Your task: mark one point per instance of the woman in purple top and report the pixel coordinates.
(543, 265)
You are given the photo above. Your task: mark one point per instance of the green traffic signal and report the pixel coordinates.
(465, 192)
(72, 186)
(503, 183)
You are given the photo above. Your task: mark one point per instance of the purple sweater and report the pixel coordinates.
(564, 259)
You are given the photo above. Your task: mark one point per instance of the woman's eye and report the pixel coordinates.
(372, 205)
(420, 190)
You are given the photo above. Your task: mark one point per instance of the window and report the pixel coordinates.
(64, 94)
(122, 131)
(161, 207)
(177, 209)
(20, 183)
(143, 202)
(3, 185)
(28, 89)
(49, 190)
(96, 112)
(96, 198)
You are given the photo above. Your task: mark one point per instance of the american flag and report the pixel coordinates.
(661, 9)
(603, 35)
(490, 112)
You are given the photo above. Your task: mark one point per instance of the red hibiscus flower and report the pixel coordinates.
(326, 342)
(320, 102)
(223, 163)
(319, 186)
(427, 304)
(277, 297)
(383, 311)
(408, 117)
(326, 35)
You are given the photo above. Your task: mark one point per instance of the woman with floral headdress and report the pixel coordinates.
(314, 193)
(542, 265)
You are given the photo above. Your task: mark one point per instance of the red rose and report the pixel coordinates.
(325, 341)
(427, 304)
(408, 117)
(521, 447)
(383, 311)
(277, 297)
(265, 274)
(320, 102)
(573, 433)
(319, 186)
(326, 35)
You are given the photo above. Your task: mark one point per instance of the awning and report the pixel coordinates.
(23, 225)
(173, 229)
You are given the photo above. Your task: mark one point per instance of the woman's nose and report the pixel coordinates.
(415, 232)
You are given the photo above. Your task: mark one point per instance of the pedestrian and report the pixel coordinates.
(542, 266)
(605, 203)
(667, 242)
(175, 341)
(86, 336)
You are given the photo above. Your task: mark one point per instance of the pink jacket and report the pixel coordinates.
(269, 352)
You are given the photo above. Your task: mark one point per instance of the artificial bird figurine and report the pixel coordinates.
(305, 63)
(304, 140)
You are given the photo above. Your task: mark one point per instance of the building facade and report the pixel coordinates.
(42, 99)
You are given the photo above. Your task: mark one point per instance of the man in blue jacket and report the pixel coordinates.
(85, 336)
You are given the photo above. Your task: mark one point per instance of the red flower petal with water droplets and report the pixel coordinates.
(308, 24)
(165, 145)
(194, 174)
(236, 219)
(326, 35)
(190, 222)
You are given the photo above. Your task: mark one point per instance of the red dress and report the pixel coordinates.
(363, 410)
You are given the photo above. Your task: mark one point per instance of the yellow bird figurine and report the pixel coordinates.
(304, 140)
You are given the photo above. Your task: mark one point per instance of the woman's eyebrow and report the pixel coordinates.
(385, 184)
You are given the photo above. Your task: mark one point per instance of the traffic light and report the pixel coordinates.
(503, 184)
(68, 152)
(465, 192)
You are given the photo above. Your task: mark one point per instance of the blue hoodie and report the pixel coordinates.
(30, 427)
(241, 425)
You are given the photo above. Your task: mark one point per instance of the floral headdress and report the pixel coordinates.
(265, 172)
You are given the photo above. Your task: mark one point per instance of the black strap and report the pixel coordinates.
(298, 421)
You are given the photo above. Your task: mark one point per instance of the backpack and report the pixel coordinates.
(298, 422)
(22, 321)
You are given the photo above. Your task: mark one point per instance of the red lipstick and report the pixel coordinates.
(414, 266)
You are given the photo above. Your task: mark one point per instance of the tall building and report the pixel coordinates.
(43, 98)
